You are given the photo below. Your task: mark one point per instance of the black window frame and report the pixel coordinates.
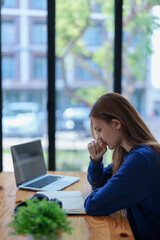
(51, 61)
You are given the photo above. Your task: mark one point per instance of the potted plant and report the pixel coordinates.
(40, 220)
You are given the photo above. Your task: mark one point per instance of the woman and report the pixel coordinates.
(132, 181)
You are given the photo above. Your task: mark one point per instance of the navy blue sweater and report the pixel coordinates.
(135, 187)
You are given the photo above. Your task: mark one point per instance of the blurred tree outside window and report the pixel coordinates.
(83, 74)
(74, 43)
(58, 69)
(84, 47)
(141, 21)
(94, 35)
(90, 35)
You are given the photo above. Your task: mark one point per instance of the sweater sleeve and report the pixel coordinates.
(97, 174)
(124, 189)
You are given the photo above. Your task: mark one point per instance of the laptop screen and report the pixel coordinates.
(28, 161)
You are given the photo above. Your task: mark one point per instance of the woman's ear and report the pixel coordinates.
(116, 123)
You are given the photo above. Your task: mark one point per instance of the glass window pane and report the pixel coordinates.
(84, 71)
(8, 31)
(39, 33)
(58, 69)
(23, 61)
(9, 3)
(39, 4)
(40, 67)
(141, 57)
(95, 35)
(8, 67)
(83, 74)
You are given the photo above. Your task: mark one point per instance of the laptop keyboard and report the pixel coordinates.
(44, 181)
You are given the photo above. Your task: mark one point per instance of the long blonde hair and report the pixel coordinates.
(134, 130)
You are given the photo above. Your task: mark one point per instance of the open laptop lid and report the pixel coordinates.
(28, 161)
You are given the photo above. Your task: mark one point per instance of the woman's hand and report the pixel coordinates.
(97, 148)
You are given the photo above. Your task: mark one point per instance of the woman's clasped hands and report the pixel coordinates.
(97, 149)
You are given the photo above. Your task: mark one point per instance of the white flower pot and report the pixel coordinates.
(30, 237)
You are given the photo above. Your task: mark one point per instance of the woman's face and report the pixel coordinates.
(109, 132)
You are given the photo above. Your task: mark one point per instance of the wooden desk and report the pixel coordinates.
(113, 227)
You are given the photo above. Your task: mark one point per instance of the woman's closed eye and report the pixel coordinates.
(99, 130)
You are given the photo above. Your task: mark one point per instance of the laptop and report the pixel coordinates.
(30, 170)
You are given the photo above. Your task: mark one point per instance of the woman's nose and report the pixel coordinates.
(99, 136)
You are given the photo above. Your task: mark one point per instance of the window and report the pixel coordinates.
(87, 70)
(94, 36)
(39, 67)
(141, 57)
(8, 66)
(9, 3)
(39, 32)
(58, 69)
(81, 32)
(19, 70)
(96, 7)
(84, 43)
(8, 31)
(42, 4)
